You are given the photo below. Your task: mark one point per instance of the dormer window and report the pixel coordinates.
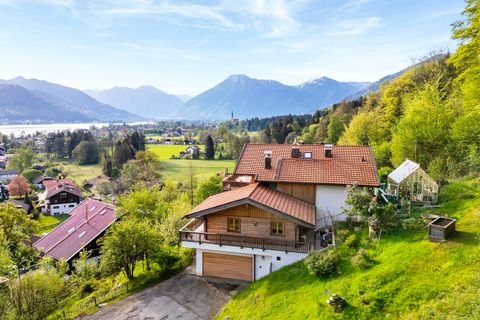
(307, 154)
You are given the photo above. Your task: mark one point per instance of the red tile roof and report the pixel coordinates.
(261, 196)
(72, 235)
(54, 187)
(350, 165)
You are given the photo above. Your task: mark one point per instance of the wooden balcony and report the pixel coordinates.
(245, 241)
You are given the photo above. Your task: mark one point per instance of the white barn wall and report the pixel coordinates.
(62, 208)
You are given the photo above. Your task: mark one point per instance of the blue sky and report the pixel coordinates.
(186, 47)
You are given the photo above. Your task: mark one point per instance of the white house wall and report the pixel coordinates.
(329, 200)
(56, 209)
(266, 261)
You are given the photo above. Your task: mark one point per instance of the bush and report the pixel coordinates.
(413, 224)
(362, 260)
(322, 264)
(31, 174)
(352, 241)
(341, 235)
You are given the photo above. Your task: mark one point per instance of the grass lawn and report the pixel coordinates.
(79, 173)
(47, 223)
(413, 278)
(179, 170)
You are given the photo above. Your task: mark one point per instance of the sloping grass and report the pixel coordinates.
(179, 170)
(412, 279)
(48, 223)
(80, 173)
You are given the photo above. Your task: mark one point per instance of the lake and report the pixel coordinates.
(24, 129)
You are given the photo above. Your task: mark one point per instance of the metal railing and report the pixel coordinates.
(246, 242)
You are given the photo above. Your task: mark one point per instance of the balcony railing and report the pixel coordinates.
(246, 242)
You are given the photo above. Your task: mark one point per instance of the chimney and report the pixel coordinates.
(296, 152)
(328, 150)
(268, 159)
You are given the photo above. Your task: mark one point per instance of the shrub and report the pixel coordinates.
(341, 235)
(322, 264)
(362, 260)
(352, 241)
(31, 174)
(412, 224)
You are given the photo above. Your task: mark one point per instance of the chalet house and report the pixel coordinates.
(276, 207)
(7, 175)
(86, 224)
(61, 196)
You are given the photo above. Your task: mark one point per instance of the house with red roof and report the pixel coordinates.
(87, 223)
(277, 206)
(61, 196)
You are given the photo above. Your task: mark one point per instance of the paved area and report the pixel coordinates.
(184, 296)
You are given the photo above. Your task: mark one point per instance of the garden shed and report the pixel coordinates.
(410, 182)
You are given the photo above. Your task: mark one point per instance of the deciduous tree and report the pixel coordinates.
(18, 186)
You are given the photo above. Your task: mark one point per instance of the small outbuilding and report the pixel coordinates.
(410, 182)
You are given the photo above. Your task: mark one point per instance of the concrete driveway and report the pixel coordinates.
(184, 296)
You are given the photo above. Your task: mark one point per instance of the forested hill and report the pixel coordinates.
(430, 114)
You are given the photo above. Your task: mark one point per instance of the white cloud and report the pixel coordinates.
(357, 27)
(353, 5)
(194, 12)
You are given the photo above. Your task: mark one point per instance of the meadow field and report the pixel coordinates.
(179, 170)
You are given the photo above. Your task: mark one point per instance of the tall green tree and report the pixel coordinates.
(22, 159)
(144, 169)
(86, 152)
(209, 148)
(336, 127)
(126, 243)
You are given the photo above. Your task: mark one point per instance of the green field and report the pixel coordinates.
(179, 170)
(79, 173)
(413, 278)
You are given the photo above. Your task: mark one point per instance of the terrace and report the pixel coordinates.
(194, 232)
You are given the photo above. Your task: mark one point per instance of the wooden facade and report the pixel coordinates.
(227, 266)
(64, 197)
(305, 192)
(254, 222)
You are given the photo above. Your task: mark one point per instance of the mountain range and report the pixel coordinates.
(247, 97)
(37, 100)
(146, 101)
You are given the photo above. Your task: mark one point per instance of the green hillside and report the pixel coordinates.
(413, 278)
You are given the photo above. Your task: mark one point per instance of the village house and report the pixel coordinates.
(7, 175)
(20, 204)
(86, 224)
(278, 205)
(61, 196)
(38, 181)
